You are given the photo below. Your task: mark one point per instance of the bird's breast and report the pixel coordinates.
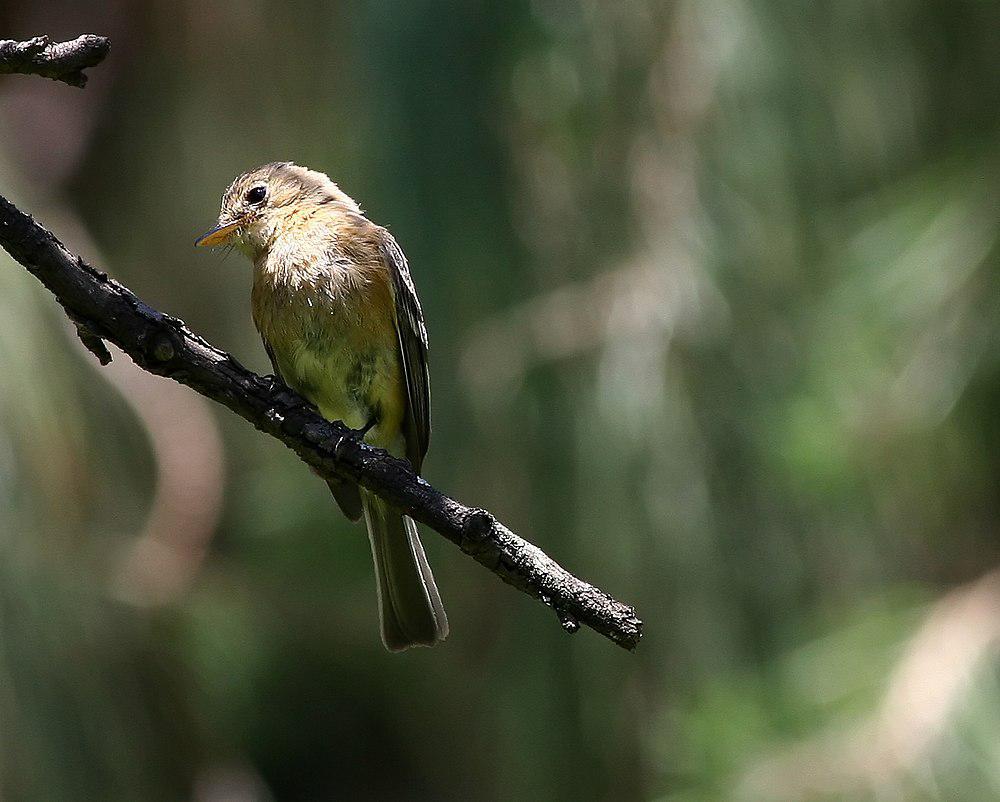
(337, 346)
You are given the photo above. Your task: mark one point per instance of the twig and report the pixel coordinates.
(106, 310)
(60, 61)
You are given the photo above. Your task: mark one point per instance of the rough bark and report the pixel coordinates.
(60, 61)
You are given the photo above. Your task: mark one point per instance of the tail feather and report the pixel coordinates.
(348, 497)
(410, 608)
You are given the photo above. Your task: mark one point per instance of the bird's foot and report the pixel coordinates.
(359, 434)
(274, 384)
(285, 394)
(352, 436)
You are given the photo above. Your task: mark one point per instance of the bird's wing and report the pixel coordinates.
(413, 346)
(270, 355)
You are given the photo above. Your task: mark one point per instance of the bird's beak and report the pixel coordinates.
(220, 235)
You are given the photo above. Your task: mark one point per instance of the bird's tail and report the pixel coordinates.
(409, 604)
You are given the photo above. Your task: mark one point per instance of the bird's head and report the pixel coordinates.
(261, 203)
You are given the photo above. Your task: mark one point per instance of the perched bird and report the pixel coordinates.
(338, 313)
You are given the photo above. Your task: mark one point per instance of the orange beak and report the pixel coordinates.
(220, 235)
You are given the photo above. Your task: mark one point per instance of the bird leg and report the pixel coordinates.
(359, 434)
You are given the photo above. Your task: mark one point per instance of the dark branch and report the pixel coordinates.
(60, 61)
(103, 309)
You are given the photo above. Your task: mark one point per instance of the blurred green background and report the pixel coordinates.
(711, 290)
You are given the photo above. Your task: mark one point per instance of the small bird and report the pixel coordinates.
(337, 310)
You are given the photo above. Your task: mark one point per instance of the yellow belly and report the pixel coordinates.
(350, 384)
(343, 357)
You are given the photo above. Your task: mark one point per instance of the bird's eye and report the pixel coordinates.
(256, 195)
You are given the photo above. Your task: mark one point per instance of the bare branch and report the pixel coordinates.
(60, 61)
(163, 345)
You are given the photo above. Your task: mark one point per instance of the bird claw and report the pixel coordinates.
(274, 384)
(358, 435)
(281, 392)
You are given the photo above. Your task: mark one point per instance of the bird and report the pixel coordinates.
(338, 313)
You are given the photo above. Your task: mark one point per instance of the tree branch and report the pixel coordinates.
(60, 61)
(103, 309)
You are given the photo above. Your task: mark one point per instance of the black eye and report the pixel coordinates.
(256, 195)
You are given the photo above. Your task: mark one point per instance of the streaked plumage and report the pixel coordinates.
(338, 313)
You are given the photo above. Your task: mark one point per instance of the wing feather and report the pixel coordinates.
(413, 347)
